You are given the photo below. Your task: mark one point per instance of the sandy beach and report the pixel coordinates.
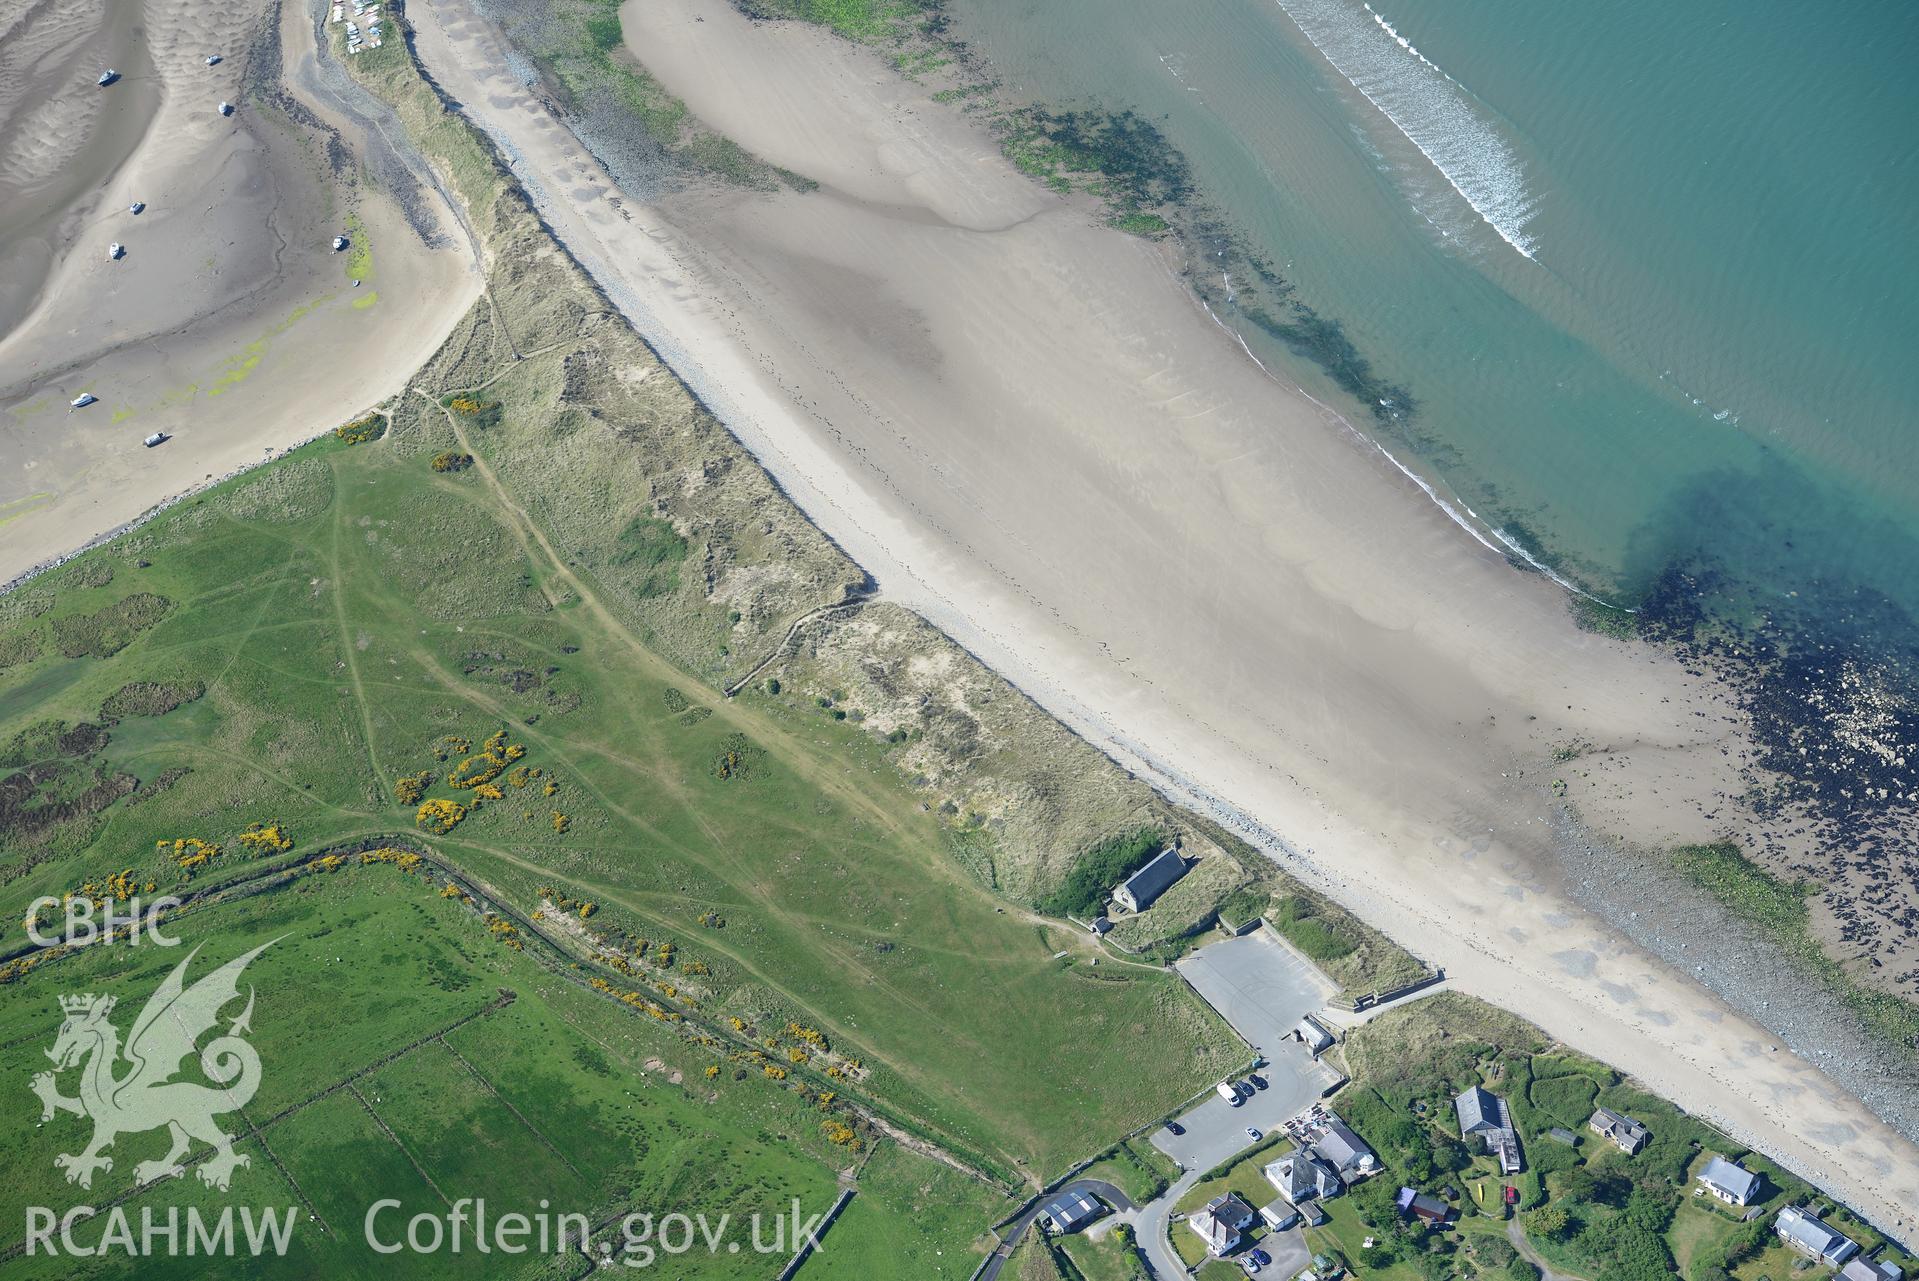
(230, 324)
(1022, 425)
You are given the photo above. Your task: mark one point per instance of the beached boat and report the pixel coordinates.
(339, 243)
(84, 399)
(157, 438)
(137, 207)
(226, 108)
(108, 76)
(116, 251)
(213, 60)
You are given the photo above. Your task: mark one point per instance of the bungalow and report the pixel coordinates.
(1071, 1211)
(1810, 1235)
(1345, 1151)
(1485, 1115)
(1221, 1224)
(1626, 1134)
(1137, 892)
(1730, 1182)
(1302, 1177)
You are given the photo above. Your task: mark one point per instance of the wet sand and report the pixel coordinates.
(230, 325)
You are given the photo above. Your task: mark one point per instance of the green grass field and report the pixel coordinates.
(395, 1065)
(363, 608)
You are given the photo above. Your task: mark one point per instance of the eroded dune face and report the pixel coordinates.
(204, 327)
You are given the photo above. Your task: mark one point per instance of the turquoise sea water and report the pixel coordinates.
(1650, 270)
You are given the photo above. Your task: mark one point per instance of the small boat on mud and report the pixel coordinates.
(81, 401)
(107, 77)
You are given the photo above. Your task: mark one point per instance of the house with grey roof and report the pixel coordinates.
(1859, 1268)
(1345, 1151)
(1071, 1211)
(1485, 1114)
(1222, 1224)
(1301, 1177)
(1813, 1237)
(1729, 1181)
(1625, 1133)
(1137, 892)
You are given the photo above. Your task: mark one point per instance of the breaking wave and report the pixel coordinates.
(1432, 110)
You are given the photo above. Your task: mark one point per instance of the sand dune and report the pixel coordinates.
(1022, 425)
(230, 324)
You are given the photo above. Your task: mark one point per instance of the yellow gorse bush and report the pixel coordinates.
(409, 789)
(439, 815)
(266, 838)
(190, 852)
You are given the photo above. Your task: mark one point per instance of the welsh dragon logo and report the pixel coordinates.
(130, 1089)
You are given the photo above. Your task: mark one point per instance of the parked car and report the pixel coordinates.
(1253, 1134)
(1259, 1082)
(1174, 1127)
(1260, 1257)
(1252, 1266)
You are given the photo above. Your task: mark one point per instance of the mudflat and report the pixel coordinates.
(228, 277)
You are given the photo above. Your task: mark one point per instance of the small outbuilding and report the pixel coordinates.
(1071, 1211)
(1315, 1038)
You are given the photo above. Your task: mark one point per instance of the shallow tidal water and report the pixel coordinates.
(1650, 272)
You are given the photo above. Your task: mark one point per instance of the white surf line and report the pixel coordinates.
(1429, 108)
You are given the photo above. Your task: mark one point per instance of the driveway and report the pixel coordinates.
(1259, 985)
(1290, 1254)
(1151, 1224)
(1098, 1188)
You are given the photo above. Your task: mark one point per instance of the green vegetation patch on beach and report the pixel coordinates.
(1781, 910)
(855, 19)
(578, 47)
(1116, 155)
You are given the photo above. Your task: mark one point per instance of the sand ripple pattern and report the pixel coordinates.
(38, 138)
(1433, 111)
